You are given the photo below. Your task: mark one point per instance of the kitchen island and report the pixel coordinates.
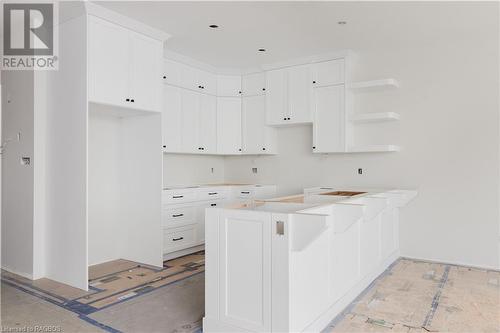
(292, 264)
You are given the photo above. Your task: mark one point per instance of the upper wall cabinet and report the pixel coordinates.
(181, 75)
(288, 96)
(253, 84)
(123, 66)
(228, 85)
(229, 125)
(328, 73)
(257, 137)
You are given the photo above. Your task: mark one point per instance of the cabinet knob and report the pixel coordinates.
(164, 146)
(239, 149)
(284, 118)
(263, 148)
(213, 205)
(164, 77)
(287, 118)
(132, 100)
(239, 92)
(263, 89)
(127, 99)
(314, 147)
(314, 81)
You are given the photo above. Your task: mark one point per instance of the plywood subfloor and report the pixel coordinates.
(415, 296)
(111, 283)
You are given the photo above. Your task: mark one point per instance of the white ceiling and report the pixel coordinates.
(295, 29)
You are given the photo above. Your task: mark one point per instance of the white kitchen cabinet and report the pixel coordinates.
(190, 121)
(108, 63)
(299, 94)
(253, 84)
(228, 85)
(258, 138)
(229, 125)
(172, 119)
(208, 124)
(329, 127)
(172, 72)
(124, 66)
(276, 97)
(198, 80)
(288, 95)
(329, 73)
(145, 77)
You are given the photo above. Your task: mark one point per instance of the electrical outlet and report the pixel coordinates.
(25, 160)
(360, 171)
(254, 170)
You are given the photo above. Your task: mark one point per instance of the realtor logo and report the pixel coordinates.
(29, 36)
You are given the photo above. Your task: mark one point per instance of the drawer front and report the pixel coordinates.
(174, 197)
(178, 216)
(178, 238)
(245, 193)
(210, 195)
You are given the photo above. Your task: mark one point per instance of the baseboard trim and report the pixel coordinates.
(452, 263)
(13, 271)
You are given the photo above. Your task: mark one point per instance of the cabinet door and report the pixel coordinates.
(172, 72)
(329, 119)
(299, 94)
(258, 138)
(254, 84)
(228, 86)
(276, 97)
(108, 63)
(172, 119)
(146, 54)
(245, 276)
(190, 78)
(229, 125)
(328, 73)
(208, 82)
(190, 121)
(208, 124)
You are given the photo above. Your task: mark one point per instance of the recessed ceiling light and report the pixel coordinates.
(341, 22)
(262, 50)
(213, 26)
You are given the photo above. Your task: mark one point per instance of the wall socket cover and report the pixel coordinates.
(254, 170)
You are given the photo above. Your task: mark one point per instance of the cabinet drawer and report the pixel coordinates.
(173, 197)
(210, 195)
(178, 216)
(178, 238)
(245, 194)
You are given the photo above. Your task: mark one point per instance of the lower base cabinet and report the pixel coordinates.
(183, 215)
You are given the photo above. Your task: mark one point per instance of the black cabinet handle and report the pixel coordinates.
(239, 92)
(212, 193)
(314, 81)
(287, 118)
(164, 146)
(127, 99)
(284, 118)
(314, 147)
(245, 192)
(177, 215)
(263, 148)
(213, 205)
(263, 89)
(178, 196)
(239, 149)
(177, 239)
(132, 100)
(164, 77)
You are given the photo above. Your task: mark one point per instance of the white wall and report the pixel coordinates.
(449, 131)
(181, 170)
(17, 179)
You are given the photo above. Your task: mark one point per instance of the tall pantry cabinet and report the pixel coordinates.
(104, 166)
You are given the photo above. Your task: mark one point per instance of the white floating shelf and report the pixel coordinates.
(374, 117)
(373, 148)
(374, 85)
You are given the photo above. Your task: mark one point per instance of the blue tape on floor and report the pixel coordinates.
(436, 298)
(48, 299)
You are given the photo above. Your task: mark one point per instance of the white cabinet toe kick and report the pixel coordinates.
(293, 264)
